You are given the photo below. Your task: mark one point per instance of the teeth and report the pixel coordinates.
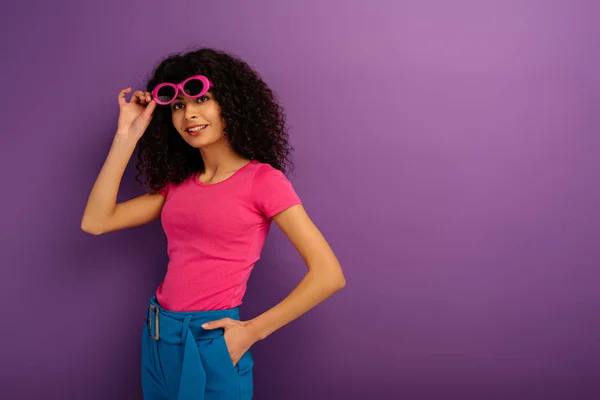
(197, 129)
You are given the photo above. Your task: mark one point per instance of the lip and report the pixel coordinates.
(194, 126)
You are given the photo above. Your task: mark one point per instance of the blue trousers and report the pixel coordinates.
(183, 361)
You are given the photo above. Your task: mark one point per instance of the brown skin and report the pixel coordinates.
(323, 279)
(102, 215)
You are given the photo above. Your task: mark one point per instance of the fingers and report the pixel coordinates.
(144, 97)
(220, 323)
(122, 94)
(149, 111)
(138, 97)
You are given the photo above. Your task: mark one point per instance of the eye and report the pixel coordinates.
(202, 99)
(176, 106)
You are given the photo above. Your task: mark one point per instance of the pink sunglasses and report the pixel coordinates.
(193, 87)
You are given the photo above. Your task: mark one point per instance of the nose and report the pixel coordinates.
(190, 111)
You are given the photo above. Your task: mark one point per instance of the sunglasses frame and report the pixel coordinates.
(179, 87)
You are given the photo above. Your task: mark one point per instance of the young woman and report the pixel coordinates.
(213, 149)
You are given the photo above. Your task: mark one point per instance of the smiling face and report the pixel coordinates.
(198, 121)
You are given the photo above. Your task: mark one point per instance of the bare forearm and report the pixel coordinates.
(313, 289)
(103, 196)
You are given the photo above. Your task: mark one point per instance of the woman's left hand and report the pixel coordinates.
(238, 336)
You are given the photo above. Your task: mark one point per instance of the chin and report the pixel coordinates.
(200, 142)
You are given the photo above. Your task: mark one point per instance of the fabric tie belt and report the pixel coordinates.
(184, 328)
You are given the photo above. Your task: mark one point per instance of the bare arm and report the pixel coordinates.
(102, 214)
(323, 279)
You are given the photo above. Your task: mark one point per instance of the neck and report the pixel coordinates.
(220, 157)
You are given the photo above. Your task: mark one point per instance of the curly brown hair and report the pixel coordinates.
(255, 121)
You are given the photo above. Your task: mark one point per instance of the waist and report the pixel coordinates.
(183, 291)
(173, 326)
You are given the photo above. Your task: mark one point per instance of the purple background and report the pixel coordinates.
(447, 149)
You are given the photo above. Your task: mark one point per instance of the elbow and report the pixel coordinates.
(338, 279)
(331, 277)
(340, 283)
(336, 282)
(91, 228)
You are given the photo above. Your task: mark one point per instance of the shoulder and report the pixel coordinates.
(272, 191)
(266, 176)
(265, 172)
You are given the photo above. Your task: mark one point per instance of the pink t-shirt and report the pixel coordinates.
(215, 234)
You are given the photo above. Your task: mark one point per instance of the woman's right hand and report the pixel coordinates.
(135, 115)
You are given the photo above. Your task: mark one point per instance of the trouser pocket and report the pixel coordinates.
(222, 376)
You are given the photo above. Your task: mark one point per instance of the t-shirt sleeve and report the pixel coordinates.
(272, 192)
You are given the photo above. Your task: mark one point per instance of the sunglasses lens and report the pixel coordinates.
(193, 87)
(166, 93)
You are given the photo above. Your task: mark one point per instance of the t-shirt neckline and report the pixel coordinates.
(200, 183)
